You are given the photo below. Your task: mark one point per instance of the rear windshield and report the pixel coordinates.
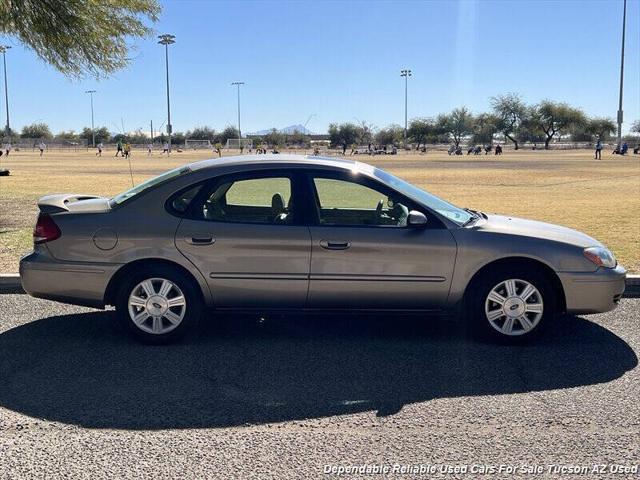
(121, 197)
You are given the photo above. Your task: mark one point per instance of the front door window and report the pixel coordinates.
(342, 202)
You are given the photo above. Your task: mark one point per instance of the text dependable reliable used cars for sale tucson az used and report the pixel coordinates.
(295, 232)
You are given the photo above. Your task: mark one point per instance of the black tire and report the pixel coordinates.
(186, 286)
(483, 328)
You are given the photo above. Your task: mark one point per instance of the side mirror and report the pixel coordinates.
(416, 219)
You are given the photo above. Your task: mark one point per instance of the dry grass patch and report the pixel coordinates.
(601, 198)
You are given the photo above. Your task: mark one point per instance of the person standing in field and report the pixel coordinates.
(119, 148)
(598, 149)
(149, 149)
(166, 148)
(42, 146)
(7, 149)
(127, 150)
(99, 147)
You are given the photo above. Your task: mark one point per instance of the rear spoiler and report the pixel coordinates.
(59, 202)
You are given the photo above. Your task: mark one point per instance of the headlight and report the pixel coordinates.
(601, 257)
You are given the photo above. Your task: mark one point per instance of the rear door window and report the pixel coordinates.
(264, 200)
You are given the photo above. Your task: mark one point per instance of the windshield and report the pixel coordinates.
(453, 213)
(118, 199)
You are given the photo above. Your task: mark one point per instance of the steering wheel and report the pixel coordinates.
(379, 210)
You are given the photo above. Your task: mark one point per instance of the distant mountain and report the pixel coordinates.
(288, 130)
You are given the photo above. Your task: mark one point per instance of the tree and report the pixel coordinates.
(421, 131)
(364, 133)
(119, 137)
(391, 135)
(141, 137)
(297, 138)
(274, 138)
(65, 136)
(342, 135)
(8, 134)
(79, 36)
(510, 111)
(102, 134)
(635, 127)
(456, 124)
(36, 130)
(226, 134)
(600, 127)
(485, 126)
(201, 133)
(555, 117)
(177, 138)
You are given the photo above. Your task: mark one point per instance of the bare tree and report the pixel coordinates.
(422, 130)
(554, 117)
(457, 124)
(511, 112)
(601, 127)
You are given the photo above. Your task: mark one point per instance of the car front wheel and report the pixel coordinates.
(512, 306)
(158, 305)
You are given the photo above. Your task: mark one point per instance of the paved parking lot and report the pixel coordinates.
(285, 397)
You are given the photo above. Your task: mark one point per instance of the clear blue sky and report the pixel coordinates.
(340, 61)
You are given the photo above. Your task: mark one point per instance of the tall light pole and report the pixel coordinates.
(239, 130)
(406, 73)
(166, 40)
(3, 50)
(624, 22)
(93, 129)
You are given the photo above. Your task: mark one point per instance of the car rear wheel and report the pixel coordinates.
(158, 305)
(512, 306)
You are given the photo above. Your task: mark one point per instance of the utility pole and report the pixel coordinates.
(151, 132)
(406, 73)
(624, 22)
(239, 130)
(166, 40)
(3, 50)
(93, 130)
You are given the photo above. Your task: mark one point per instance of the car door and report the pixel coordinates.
(365, 256)
(243, 233)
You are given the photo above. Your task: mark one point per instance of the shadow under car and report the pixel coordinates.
(78, 369)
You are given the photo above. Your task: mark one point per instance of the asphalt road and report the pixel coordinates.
(285, 397)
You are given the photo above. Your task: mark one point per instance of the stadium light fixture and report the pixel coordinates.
(239, 130)
(93, 129)
(166, 40)
(3, 50)
(624, 22)
(406, 73)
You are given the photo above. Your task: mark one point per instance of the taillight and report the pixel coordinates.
(46, 229)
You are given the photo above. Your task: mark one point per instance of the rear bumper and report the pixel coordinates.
(593, 292)
(78, 283)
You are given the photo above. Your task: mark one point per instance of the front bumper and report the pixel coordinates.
(593, 292)
(79, 283)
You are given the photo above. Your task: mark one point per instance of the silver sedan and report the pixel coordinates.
(284, 232)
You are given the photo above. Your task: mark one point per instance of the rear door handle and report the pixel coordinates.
(335, 244)
(200, 240)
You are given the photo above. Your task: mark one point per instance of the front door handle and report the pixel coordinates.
(335, 244)
(200, 240)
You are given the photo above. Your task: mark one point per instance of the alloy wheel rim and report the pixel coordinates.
(157, 306)
(514, 307)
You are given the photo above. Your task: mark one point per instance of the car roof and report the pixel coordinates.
(281, 160)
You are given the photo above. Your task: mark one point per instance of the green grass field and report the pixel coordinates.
(601, 198)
